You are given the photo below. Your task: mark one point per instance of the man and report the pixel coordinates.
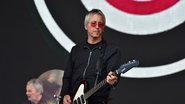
(41, 91)
(34, 91)
(91, 60)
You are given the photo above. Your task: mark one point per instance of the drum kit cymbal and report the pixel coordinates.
(52, 83)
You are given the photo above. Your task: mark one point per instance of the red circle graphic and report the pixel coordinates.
(142, 7)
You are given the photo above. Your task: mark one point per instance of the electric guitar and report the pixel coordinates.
(81, 97)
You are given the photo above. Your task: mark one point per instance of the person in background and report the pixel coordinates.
(92, 60)
(34, 91)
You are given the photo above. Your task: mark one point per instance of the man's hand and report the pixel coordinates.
(67, 99)
(111, 78)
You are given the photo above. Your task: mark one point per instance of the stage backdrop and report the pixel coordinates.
(37, 36)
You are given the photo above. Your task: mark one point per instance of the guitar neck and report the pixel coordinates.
(94, 89)
(81, 97)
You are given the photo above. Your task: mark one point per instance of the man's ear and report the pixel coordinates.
(85, 26)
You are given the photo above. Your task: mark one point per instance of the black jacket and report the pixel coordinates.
(82, 65)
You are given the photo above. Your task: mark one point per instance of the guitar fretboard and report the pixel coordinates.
(94, 89)
(122, 69)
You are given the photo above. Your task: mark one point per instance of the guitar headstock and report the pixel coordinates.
(125, 67)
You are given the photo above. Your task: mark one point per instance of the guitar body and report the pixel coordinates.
(79, 96)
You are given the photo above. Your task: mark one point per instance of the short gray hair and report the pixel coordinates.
(93, 12)
(37, 84)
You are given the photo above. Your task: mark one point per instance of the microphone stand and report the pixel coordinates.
(57, 97)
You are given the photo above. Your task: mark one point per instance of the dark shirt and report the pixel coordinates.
(27, 102)
(82, 65)
(41, 102)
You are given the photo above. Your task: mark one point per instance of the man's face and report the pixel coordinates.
(95, 26)
(32, 93)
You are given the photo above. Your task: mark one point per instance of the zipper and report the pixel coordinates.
(87, 65)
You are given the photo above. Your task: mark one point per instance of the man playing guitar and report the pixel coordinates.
(91, 61)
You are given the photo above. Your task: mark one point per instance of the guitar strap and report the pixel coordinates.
(99, 63)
